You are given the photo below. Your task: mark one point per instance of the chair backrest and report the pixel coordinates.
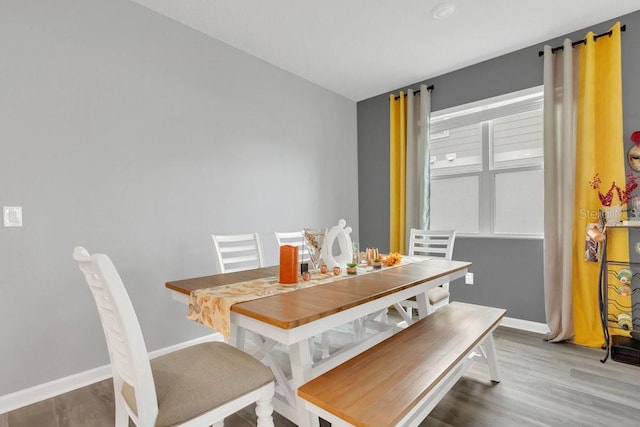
(237, 252)
(127, 350)
(294, 238)
(432, 243)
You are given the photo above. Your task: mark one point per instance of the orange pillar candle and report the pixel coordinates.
(288, 265)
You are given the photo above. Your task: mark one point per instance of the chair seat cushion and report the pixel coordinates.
(197, 379)
(437, 294)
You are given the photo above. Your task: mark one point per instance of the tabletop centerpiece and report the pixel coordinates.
(314, 239)
(392, 259)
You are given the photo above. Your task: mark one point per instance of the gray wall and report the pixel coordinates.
(138, 137)
(508, 273)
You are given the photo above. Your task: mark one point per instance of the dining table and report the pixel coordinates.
(287, 323)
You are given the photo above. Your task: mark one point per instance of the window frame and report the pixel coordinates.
(487, 175)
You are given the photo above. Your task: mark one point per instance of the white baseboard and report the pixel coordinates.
(53, 388)
(525, 325)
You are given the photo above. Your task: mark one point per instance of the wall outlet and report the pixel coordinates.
(12, 216)
(468, 279)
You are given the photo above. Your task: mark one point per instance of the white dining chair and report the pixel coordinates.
(434, 244)
(195, 386)
(237, 252)
(294, 238)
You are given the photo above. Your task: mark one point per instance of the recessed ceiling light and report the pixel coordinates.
(443, 10)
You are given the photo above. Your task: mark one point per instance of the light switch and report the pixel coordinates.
(12, 216)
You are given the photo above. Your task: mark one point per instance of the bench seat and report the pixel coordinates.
(400, 380)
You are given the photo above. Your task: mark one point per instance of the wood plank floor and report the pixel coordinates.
(542, 384)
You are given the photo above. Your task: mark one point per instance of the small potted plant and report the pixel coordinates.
(377, 264)
(352, 268)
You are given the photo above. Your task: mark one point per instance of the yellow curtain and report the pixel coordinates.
(599, 150)
(397, 168)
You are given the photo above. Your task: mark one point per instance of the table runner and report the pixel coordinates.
(212, 306)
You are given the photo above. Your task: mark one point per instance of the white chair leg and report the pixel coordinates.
(122, 417)
(264, 407)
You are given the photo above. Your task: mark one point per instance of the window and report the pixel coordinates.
(487, 166)
(455, 204)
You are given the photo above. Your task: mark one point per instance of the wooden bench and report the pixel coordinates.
(400, 380)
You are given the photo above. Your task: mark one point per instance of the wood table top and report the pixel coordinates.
(293, 309)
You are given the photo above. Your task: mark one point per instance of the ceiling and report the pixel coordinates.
(362, 48)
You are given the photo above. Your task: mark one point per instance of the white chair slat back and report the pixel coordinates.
(294, 238)
(237, 252)
(127, 351)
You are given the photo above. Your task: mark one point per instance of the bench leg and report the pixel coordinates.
(489, 348)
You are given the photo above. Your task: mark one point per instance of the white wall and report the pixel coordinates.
(135, 136)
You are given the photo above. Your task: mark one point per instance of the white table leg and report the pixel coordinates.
(325, 343)
(421, 301)
(404, 313)
(238, 336)
(301, 364)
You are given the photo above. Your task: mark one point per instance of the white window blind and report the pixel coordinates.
(491, 109)
(456, 150)
(486, 165)
(517, 140)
